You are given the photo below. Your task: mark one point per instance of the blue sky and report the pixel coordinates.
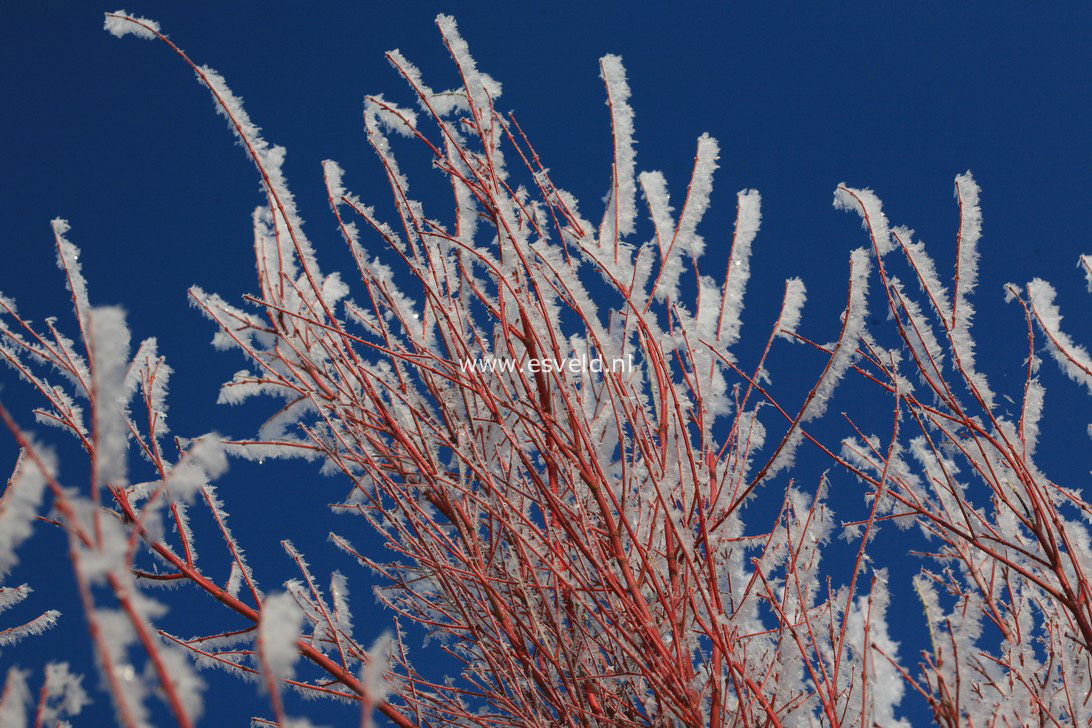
(116, 136)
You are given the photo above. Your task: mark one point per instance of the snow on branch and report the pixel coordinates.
(278, 631)
(109, 364)
(119, 24)
(748, 218)
(621, 212)
(1071, 357)
(20, 503)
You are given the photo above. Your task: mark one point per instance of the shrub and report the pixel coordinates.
(544, 420)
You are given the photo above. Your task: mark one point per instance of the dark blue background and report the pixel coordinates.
(118, 138)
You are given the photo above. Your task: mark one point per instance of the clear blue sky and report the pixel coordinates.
(116, 136)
